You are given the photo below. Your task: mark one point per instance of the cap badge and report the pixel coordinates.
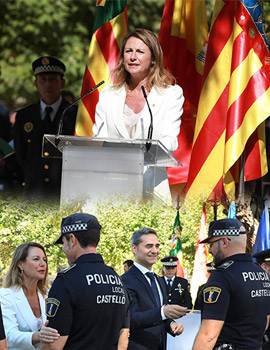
(45, 61)
(28, 127)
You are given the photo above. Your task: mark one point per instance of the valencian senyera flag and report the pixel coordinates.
(234, 101)
(176, 245)
(183, 34)
(110, 27)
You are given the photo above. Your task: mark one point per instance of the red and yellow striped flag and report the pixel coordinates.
(111, 25)
(182, 35)
(234, 101)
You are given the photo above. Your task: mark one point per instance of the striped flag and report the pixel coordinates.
(262, 241)
(182, 35)
(111, 25)
(176, 246)
(200, 274)
(234, 101)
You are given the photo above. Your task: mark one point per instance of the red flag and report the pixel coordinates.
(182, 35)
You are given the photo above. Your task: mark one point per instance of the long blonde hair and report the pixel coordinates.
(158, 75)
(14, 275)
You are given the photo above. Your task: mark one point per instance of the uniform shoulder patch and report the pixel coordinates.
(211, 295)
(225, 265)
(68, 268)
(52, 305)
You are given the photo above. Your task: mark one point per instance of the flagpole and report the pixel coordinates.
(241, 187)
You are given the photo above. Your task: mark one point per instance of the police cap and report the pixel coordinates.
(224, 227)
(263, 256)
(76, 223)
(169, 261)
(48, 64)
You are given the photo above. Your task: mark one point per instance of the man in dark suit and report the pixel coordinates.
(42, 175)
(150, 319)
(177, 287)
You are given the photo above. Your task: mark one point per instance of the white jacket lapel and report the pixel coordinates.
(25, 309)
(117, 109)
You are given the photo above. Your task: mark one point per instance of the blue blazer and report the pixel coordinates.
(147, 329)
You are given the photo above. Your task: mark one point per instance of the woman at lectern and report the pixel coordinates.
(122, 110)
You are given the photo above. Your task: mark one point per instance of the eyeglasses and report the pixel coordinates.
(210, 244)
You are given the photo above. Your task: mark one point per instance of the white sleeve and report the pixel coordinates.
(15, 338)
(100, 127)
(172, 120)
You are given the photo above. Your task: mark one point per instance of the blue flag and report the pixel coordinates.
(263, 236)
(232, 210)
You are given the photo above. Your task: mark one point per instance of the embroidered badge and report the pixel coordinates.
(52, 306)
(45, 61)
(251, 32)
(211, 294)
(28, 127)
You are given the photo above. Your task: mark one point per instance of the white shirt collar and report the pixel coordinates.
(143, 269)
(54, 106)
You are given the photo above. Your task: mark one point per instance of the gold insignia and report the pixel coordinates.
(171, 259)
(211, 294)
(52, 306)
(28, 127)
(45, 61)
(68, 268)
(225, 265)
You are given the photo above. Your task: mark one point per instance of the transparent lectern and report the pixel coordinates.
(97, 168)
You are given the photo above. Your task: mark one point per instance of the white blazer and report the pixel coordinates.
(19, 321)
(166, 105)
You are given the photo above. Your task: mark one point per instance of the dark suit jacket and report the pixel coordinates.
(147, 329)
(41, 175)
(179, 292)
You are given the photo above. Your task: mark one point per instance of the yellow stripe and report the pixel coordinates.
(257, 113)
(84, 123)
(178, 22)
(214, 85)
(218, 7)
(119, 27)
(201, 31)
(210, 172)
(96, 63)
(241, 75)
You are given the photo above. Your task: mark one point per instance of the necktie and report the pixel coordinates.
(169, 282)
(47, 120)
(151, 276)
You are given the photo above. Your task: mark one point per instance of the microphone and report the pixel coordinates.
(60, 125)
(150, 130)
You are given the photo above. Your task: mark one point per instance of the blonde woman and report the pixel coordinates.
(23, 299)
(122, 111)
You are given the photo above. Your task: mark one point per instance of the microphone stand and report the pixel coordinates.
(150, 130)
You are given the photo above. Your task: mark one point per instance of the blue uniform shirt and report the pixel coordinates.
(89, 303)
(238, 293)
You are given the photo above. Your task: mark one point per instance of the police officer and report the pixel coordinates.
(236, 297)
(177, 287)
(87, 303)
(42, 175)
(263, 259)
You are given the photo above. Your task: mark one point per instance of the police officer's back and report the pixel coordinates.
(87, 303)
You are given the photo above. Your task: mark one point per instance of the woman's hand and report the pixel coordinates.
(45, 335)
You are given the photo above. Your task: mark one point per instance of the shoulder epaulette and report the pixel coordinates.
(225, 265)
(68, 268)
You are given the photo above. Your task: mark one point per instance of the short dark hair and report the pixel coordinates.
(86, 238)
(129, 262)
(137, 235)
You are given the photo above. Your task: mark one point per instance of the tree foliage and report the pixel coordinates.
(23, 220)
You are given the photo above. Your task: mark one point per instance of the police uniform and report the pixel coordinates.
(237, 293)
(41, 175)
(177, 289)
(88, 302)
